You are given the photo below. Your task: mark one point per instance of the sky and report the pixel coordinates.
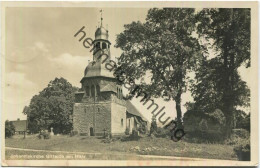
(40, 45)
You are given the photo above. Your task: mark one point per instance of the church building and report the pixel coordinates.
(100, 105)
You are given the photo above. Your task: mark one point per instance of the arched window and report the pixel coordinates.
(104, 45)
(117, 92)
(122, 122)
(98, 90)
(93, 91)
(121, 94)
(98, 45)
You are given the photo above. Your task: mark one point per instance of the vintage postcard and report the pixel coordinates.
(129, 83)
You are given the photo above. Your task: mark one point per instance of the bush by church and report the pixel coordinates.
(204, 126)
(242, 149)
(9, 129)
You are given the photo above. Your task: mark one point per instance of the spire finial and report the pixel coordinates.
(101, 17)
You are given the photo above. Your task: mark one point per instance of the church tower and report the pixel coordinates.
(99, 106)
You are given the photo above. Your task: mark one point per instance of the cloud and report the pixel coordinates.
(69, 61)
(28, 53)
(18, 91)
(40, 46)
(69, 66)
(18, 79)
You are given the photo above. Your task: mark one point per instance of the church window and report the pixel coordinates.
(117, 93)
(93, 91)
(104, 45)
(122, 122)
(98, 45)
(85, 110)
(98, 109)
(87, 91)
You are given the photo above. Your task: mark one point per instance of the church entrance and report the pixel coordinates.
(91, 131)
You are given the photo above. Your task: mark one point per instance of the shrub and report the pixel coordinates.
(236, 136)
(44, 135)
(142, 128)
(242, 149)
(134, 133)
(204, 127)
(9, 129)
(133, 137)
(242, 133)
(218, 116)
(245, 123)
(73, 133)
(162, 133)
(127, 131)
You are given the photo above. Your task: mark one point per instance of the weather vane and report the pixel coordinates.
(101, 16)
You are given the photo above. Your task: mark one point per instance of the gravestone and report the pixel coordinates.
(51, 132)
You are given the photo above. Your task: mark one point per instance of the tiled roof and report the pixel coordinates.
(20, 125)
(95, 69)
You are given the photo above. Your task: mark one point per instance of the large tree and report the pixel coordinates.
(52, 107)
(208, 88)
(164, 48)
(229, 33)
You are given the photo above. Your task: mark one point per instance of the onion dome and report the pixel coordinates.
(101, 33)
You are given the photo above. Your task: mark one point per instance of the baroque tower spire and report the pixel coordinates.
(101, 17)
(101, 40)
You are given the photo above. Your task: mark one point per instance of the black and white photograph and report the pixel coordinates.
(129, 83)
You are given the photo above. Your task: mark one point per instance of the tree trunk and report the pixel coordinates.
(178, 109)
(227, 100)
(228, 96)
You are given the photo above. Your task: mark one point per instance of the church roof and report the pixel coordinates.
(95, 69)
(108, 88)
(130, 108)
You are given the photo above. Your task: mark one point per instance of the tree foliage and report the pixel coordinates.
(229, 31)
(208, 88)
(52, 107)
(162, 47)
(9, 129)
(244, 122)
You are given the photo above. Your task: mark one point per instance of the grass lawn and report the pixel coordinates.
(143, 146)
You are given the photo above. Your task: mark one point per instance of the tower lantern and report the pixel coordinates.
(101, 40)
